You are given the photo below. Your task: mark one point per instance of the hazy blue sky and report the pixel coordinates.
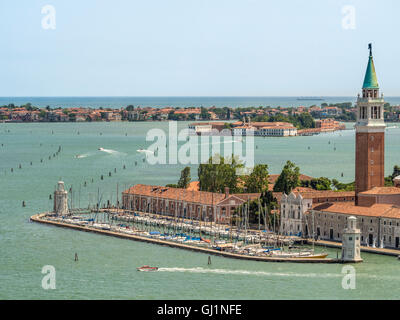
(196, 48)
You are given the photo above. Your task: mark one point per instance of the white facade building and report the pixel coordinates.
(200, 128)
(293, 208)
(277, 131)
(244, 131)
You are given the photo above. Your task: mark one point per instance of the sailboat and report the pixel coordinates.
(303, 254)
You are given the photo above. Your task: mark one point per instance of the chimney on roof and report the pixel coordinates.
(226, 192)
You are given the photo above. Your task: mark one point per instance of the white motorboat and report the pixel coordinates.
(147, 268)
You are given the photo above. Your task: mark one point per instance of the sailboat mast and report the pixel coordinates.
(201, 213)
(212, 217)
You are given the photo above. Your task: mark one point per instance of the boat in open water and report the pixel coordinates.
(147, 268)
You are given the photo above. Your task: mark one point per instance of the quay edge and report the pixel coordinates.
(338, 245)
(38, 218)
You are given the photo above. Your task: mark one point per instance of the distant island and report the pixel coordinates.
(301, 117)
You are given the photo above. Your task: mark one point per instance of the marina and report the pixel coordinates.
(139, 235)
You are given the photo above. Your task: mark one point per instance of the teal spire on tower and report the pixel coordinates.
(370, 79)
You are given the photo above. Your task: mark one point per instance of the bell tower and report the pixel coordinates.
(370, 133)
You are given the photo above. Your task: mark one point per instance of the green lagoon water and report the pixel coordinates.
(107, 266)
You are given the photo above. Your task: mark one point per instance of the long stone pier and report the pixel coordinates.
(39, 218)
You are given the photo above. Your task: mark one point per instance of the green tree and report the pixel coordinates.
(42, 114)
(204, 114)
(304, 120)
(343, 186)
(72, 117)
(396, 171)
(321, 183)
(219, 173)
(257, 180)
(228, 125)
(260, 210)
(288, 179)
(185, 178)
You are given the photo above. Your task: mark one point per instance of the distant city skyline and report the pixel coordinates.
(191, 48)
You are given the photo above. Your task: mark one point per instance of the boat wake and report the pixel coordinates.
(145, 151)
(254, 273)
(80, 156)
(110, 151)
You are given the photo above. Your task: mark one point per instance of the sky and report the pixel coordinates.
(197, 47)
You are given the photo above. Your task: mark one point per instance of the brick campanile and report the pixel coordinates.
(370, 134)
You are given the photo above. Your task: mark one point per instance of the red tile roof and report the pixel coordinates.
(376, 210)
(326, 194)
(194, 185)
(176, 194)
(382, 190)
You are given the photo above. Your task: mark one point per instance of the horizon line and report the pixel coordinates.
(222, 96)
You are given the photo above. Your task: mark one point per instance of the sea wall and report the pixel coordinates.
(39, 218)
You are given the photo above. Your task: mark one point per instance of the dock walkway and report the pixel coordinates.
(39, 218)
(332, 244)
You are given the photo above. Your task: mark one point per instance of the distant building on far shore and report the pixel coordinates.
(246, 128)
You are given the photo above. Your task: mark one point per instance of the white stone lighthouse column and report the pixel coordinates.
(351, 241)
(60, 200)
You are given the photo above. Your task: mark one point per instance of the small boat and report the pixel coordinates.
(101, 149)
(147, 268)
(205, 240)
(301, 255)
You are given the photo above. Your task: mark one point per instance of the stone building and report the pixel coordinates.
(198, 205)
(264, 129)
(379, 224)
(296, 204)
(292, 208)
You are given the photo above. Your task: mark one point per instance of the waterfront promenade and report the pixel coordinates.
(333, 244)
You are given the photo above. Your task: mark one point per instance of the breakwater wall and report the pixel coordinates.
(39, 218)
